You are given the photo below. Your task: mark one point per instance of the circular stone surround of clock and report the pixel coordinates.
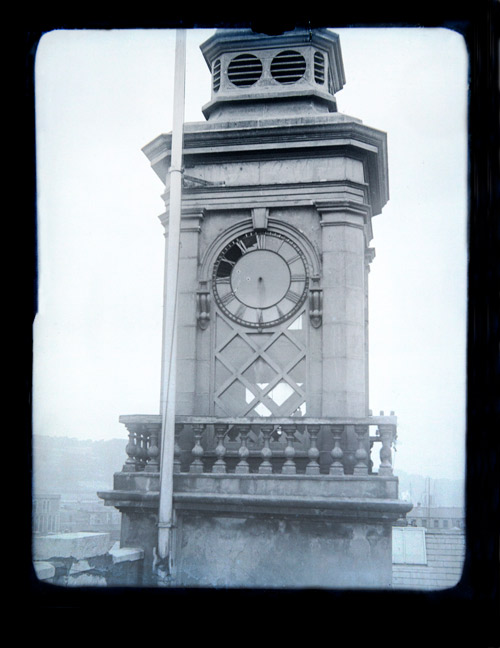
(260, 279)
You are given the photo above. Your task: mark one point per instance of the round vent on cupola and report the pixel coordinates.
(244, 70)
(288, 67)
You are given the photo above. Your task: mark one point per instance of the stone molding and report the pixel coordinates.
(191, 218)
(346, 213)
(284, 505)
(311, 137)
(239, 197)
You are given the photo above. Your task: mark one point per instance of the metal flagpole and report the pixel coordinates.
(167, 405)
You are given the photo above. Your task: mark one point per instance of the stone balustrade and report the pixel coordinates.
(285, 446)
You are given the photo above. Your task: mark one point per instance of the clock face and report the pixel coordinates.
(260, 279)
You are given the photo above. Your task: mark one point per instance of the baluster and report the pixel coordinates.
(289, 467)
(153, 450)
(242, 466)
(177, 449)
(361, 455)
(220, 432)
(387, 435)
(130, 464)
(337, 467)
(266, 467)
(197, 451)
(312, 467)
(142, 453)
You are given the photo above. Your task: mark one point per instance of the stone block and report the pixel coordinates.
(78, 546)
(44, 570)
(186, 376)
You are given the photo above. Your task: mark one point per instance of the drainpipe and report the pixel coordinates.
(169, 350)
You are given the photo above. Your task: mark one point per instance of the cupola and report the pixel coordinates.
(257, 75)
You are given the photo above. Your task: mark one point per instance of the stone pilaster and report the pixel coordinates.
(344, 301)
(187, 309)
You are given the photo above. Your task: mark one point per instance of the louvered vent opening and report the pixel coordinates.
(244, 70)
(216, 75)
(288, 67)
(319, 67)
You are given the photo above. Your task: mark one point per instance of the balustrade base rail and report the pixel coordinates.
(288, 446)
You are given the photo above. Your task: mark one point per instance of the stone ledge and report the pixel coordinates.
(78, 546)
(231, 503)
(126, 554)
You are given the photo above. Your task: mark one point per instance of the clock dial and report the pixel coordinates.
(260, 279)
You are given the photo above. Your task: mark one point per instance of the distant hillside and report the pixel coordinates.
(65, 465)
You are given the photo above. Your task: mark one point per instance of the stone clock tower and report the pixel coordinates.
(273, 446)
(279, 192)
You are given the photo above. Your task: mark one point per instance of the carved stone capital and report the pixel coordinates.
(191, 219)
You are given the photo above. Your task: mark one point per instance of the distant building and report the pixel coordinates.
(89, 515)
(437, 517)
(427, 559)
(46, 513)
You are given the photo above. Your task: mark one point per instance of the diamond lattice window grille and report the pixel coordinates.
(260, 374)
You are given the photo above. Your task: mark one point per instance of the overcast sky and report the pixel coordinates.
(102, 95)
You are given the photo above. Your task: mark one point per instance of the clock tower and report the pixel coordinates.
(279, 191)
(273, 482)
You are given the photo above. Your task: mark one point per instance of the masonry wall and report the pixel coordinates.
(287, 552)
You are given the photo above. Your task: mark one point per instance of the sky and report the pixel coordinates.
(101, 95)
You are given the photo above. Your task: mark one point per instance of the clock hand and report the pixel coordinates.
(261, 290)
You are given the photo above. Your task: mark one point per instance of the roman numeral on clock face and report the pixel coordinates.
(293, 259)
(242, 246)
(228, 298)
(292, 296)
(231, 263)
(261, 241)
(241, 310)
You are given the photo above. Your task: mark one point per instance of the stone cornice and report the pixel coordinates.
(332, 210)
(190, 221)
(280, 140)
(278, 134)
(284, 505)
(273, 195)
(346, 213)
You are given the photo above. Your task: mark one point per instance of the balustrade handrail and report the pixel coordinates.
(297, 438)
(263, 420)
